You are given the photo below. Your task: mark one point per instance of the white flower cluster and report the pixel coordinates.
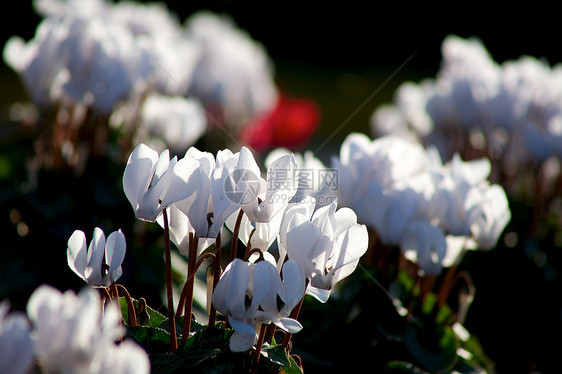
(433, 211)
(511, 110)
(200, 193)
(112, 56)
(67, 333)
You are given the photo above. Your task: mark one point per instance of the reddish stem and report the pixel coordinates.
(191, 269)
(257, 352)
(171, 314)
(216, 276)
(235, 233)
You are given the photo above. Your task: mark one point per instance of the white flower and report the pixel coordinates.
(311, 174)
(176, 120)
(199, 205)
(70, 328)
(100, 264)
(125, 358)
(253, 293)
(280, 187)
(327, 246)
(235, 182)
(257, 234)
(491, 217)
(38, 62)
(375, 180)
(16, 346)
(234, 71)
(425, 245)
(152, 182)
(180, 227)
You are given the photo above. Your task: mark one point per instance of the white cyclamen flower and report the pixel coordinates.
(467, 205)
(235, 182)
(177, 121)
(69, 329)
(280, 187)
(248, 294)
(99, 265)
(152, 182)
(373, 177)
(311, 174)
(199, 205)
(16, 346)
(125, 358)
(327, 245)
(424, 245)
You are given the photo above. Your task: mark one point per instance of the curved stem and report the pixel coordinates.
(184, 290)
(171, 314)
(115, 297)
(105, 294)
(130, 306)
(252, 251)
(249, 246)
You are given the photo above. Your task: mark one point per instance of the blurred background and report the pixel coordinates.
(348, 58)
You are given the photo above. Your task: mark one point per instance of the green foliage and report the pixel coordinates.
(206, 350)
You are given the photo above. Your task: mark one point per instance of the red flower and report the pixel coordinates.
(290, 124)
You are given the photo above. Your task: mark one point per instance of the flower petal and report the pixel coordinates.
(140, 166)
(115, 248)
(77, 253)
(96, 252)
(241, 342)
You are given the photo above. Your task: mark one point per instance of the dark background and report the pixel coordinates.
(350, 58)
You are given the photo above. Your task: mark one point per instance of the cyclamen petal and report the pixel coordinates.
(77, 253)
(96, 252)
(100, 264)
(327, 246)
(115, 248)
(152, 182)
(140, 166)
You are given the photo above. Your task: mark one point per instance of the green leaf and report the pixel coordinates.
(276, 354)
(166, 363)
(153, 339)
(433, 347)
(404, 367)
(195, 326)
(293, 368)
(146, 315)
(205, 344)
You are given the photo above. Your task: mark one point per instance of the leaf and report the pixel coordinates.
(153, 339)
(147, 315)
(434, 348)
(293, 368)
(205, 344)
(166, 363)
(195, 326)
(276, 354)
(404, 367)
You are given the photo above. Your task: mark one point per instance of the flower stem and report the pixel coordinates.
(216, 275)
(294, 314)
(191, 269)
(115, 299)
(131, 307)
(446, 285)
(235, 232)
(257, 352)
(171, 314)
